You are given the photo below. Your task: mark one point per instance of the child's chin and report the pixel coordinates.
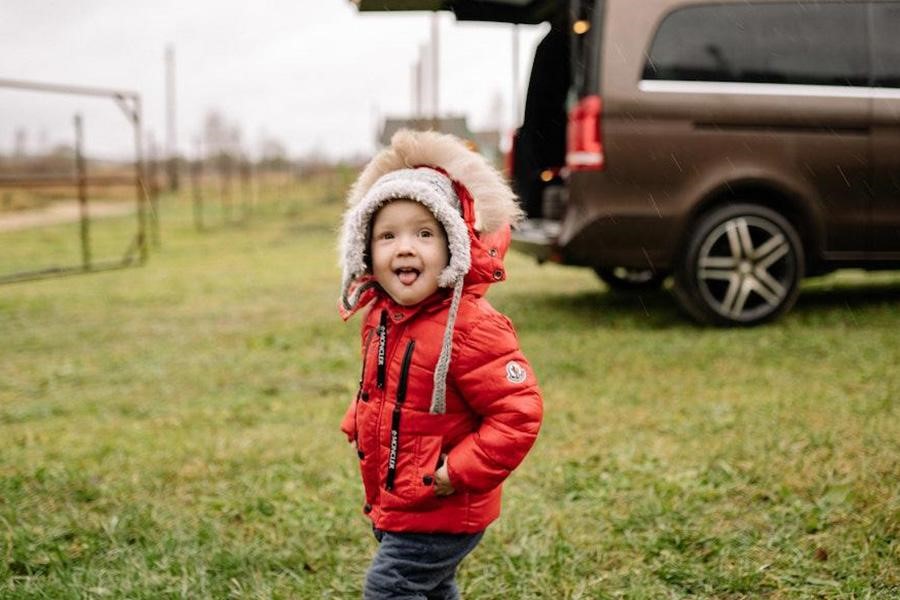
(402, 298)
(409, 297)
(409, 300)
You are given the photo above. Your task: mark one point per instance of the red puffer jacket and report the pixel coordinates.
(493, 406)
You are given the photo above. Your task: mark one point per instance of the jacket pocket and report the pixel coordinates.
(413, 485)
(413, 450)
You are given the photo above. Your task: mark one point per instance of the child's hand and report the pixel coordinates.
(442, 485)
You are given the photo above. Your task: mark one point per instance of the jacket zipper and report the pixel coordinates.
(359, 391)
(382, 349)
(362, 374)
(395, 417)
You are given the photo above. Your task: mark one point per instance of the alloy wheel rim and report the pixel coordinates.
(746, 268)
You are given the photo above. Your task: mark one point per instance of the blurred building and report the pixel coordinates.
(487, 142)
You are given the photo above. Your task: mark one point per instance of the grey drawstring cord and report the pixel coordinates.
(351, 299)
(439, 396)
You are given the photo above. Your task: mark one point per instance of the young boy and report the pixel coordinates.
(447, 404)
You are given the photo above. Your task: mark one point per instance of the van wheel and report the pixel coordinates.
(742, 266)
(622, 279)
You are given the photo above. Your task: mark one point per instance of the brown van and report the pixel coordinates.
(736, 145)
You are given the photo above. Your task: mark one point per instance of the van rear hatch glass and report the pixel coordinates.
(584, 134)
(586, 22)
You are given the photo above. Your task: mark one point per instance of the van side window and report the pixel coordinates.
(885, 44)
(810, 44)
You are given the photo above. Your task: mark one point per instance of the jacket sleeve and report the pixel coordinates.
(496, 382)
(348, 423)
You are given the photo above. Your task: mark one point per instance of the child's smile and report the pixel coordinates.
(407, 275)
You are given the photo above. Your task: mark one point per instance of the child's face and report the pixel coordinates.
(409, 251)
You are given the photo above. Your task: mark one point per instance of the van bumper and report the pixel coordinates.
(538, 238)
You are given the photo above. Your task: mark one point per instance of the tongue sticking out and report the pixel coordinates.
(408, 277)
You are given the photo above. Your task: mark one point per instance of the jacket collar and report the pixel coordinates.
(398, 313)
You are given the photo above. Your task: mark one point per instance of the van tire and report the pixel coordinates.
(621, 279)
(742, 265)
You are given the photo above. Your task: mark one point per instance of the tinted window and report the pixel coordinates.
(886, 44)
(585, 46)
(766, 43)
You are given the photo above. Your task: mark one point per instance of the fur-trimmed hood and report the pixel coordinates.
(495, 203)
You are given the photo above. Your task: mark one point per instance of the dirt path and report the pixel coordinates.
(61, 212)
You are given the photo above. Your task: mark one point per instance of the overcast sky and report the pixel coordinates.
(315, 74)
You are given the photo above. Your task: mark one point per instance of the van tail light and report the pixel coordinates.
(584, 151)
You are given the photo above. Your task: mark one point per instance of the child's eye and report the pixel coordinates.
(425, 233)
(385, 235)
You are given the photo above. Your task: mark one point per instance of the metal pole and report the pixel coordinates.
(153, 187)
(286, 192)
(244, 176)
(414, 90)
(225, 174)
(516, 112)
(196, 182)
(254, 185)
(66, 89)
(423, 80)
(82, 195)
(171, 135)
(141, 196)
(435, 64)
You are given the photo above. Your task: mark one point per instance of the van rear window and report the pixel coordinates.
(586, 41)
(813, 44)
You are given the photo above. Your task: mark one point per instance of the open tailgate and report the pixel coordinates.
(530, 12)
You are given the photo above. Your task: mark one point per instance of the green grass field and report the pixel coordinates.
(170, 431)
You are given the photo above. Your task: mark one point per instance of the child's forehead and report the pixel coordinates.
(403, 210)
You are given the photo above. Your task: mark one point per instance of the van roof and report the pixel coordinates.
(528, 12)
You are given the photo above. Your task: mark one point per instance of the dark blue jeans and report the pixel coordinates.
(417, 566)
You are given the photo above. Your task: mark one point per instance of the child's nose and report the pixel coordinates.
(406, 246)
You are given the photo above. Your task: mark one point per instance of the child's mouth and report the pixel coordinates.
(407, 276)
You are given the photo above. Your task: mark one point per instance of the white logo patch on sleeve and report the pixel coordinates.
(515, 373)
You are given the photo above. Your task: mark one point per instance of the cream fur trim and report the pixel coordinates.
(495, 203)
